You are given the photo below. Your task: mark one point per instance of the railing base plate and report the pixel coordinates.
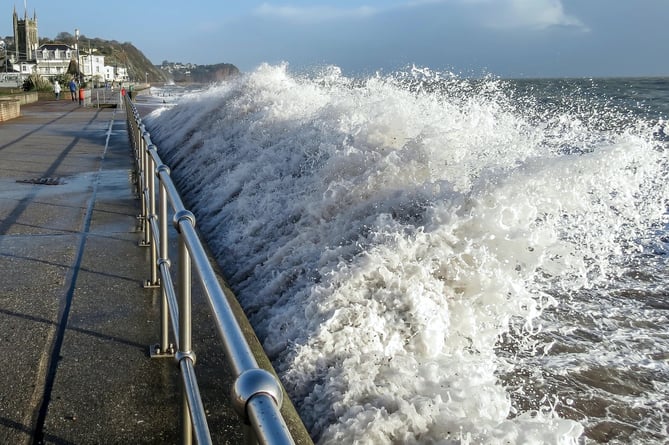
(149, 285)
(156, 352)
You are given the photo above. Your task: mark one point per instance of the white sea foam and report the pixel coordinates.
(383, 235)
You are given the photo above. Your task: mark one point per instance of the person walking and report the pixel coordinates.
(56, 90)
(73, 90)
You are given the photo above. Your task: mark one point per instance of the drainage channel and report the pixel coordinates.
(42, 181)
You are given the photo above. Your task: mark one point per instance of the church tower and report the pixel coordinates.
(25, 36)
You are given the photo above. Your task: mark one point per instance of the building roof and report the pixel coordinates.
(54, 46)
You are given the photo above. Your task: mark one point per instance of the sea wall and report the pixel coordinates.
(10, 108)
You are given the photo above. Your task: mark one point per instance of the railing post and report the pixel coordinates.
(252, 392)
(148, 177)
(137, 150)
(141, 164)
(166, 349)
(151, 178)
(185, 328)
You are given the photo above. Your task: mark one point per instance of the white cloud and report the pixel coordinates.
(509, 14)
(313, 14)
(498, 14)
(535, 14)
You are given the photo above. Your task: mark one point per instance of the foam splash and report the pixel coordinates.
(384, 234)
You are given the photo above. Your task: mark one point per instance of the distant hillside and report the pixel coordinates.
(116, 54)
(141, 68)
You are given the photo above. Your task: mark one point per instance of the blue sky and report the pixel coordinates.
(507, 38)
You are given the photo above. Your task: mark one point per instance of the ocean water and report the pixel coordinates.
(435, 260)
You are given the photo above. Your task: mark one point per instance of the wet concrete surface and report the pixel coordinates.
(76, 324)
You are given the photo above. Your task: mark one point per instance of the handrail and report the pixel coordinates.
(257, 394)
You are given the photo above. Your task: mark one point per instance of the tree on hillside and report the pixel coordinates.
(65, 37)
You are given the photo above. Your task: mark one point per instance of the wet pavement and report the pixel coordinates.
(75, 322)
(74, 319)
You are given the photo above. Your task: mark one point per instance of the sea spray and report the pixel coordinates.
(390, 237)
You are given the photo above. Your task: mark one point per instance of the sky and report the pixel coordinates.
(505, 38)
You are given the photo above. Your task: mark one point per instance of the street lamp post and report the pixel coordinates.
(90, 56)
(34, 56)
(76, 48)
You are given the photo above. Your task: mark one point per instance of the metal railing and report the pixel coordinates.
(257, 394)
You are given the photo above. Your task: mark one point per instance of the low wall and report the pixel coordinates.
(26, 98)
(10, 108)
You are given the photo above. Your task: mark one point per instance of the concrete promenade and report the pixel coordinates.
(75, 322)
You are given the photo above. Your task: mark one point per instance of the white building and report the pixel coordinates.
(122, 74)
(115, 74)
(53, 59)
(93, 67)
(109, 73)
